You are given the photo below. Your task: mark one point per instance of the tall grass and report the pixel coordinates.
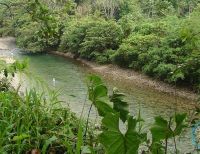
(37, 122)
(33, 122)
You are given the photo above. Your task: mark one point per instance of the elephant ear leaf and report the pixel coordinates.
(98, 95)
(111, 138)
(179, 119)
(103, 108)
(157, 148)
(119, 104)
(161, 129)
(94, 80)
(132, 138)
(117, 143)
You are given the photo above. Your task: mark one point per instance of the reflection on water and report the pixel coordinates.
(70, 78)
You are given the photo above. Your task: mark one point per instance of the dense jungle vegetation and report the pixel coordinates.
(158, 37)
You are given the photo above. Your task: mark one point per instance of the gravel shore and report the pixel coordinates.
(133, 77)
(7, 43)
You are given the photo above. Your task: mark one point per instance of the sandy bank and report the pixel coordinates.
(7, 43)
(131, 76)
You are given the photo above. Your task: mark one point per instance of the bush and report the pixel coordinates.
(167, 49)
(36, 35)
(91, 37)
(74, 34)
(27, 38)
(103, 36)
(130, 50)
(6, 28)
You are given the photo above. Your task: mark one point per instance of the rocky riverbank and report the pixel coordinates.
(133, 77)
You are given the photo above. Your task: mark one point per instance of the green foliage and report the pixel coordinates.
(91, 38)
(37, 26)
(163, 130)
(8, 71)
(108, 8)
(157, 8)
(145, 37)
(103, 36)
(98, 95)
(163, 51)
(39, 31)
(37, 122)
(116, 142)
(28, 40)
(6, 28)
(196, 115)
(159, 38)
(74, 34)
(119, 104)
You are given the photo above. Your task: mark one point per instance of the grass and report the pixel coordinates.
(38, 122)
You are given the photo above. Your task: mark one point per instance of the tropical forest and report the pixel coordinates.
(99, 76)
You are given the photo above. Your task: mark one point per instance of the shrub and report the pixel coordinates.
(6, 28)
(91, 37)
(74, 34)
(130, 50)
(37, 35)
(101, 37)
(162, 50)
(27, 38)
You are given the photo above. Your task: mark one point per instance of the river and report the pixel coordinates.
(69, 77)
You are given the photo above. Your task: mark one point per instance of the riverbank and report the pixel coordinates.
(7, 44)
(133, 77)
(127, 75)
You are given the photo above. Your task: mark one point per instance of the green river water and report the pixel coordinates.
(70, 79)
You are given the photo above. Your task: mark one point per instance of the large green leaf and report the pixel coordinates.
(132, 138)
(179, 119)
(161, 129)
(157, 148)
(94, 80)
(100, 91)
(119, 104)
(117, 143)
(98, 95)
(103, 108)
(96, 88)
(112, 139)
